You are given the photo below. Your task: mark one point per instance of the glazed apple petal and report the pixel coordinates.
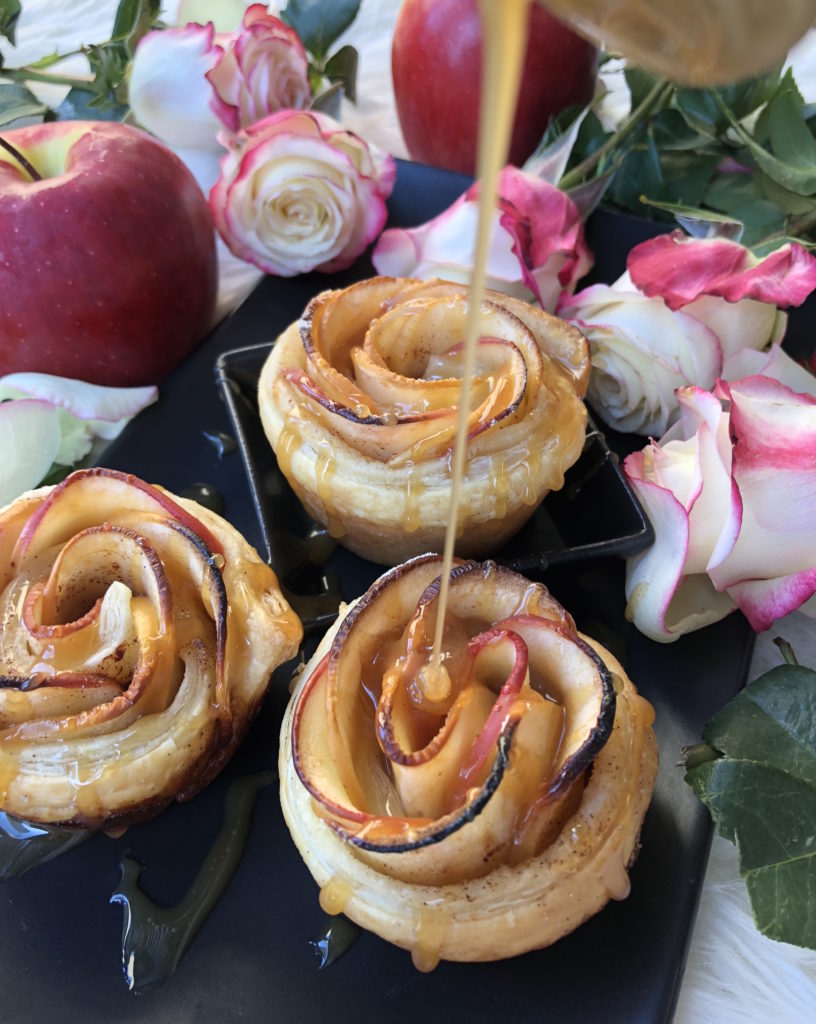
(133, 654)
(773, 466)
(679, 269)
(29, 440)
(529, 709)
(443, 755)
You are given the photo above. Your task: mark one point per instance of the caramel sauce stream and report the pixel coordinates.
(504, 33)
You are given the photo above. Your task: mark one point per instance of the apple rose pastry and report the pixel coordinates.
(138, 632)
(475, 813)
(359, 401)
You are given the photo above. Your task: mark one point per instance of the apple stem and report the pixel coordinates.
(18, 156)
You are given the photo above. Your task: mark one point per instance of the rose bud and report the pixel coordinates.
(537, 245)
(298, 193)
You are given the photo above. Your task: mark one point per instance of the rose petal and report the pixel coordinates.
(662, 602)
(775, 470)
(743, 324)
(29, 441)
(86, 401)
(775, 363)
(641, 353)
(168, 93)
(537, 246)
(680, 269)
(293, 194)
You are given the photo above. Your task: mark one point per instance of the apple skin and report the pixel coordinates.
(436, 69)
(108, 267)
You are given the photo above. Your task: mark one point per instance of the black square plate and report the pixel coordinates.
(251, 961)
(565, 529)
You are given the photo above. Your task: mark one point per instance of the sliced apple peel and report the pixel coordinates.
(523, 787)
(133, 656)
(359, 399)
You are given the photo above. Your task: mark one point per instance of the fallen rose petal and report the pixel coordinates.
(29, 441)
(680, 269)
(86, 401)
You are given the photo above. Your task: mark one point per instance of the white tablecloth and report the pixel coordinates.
(734, 975)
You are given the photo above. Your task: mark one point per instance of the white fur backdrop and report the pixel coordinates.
(734, 975)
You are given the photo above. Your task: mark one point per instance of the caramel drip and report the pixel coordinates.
(430, 930)
(504, 34)
(335, 895)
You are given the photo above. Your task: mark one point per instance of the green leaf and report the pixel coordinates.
(134, 19)
(761, 219)
(790, 137)
(762, 796)
(328, 100)
(320, 22)
(9, 13)
(342, 67)
(700, 223)
(639, 174)
(672, 132)
(81, 105)
(728, 192)
(17, 102)
(700, 111)
(786, 126)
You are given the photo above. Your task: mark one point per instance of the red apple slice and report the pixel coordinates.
(97, 494)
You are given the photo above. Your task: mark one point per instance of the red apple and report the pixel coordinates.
(107, 265)
(436, 67)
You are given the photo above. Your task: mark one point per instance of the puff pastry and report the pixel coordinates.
(359, 401)
(138, 632)
(482, 821)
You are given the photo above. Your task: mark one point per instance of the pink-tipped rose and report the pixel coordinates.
(676, 318)
(731, 493)
(298, 193)
(264, 69)
(187, 84)
(537, 245)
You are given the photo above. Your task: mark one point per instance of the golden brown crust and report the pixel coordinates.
(537, 847)
(134, 653)
(358, 400)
